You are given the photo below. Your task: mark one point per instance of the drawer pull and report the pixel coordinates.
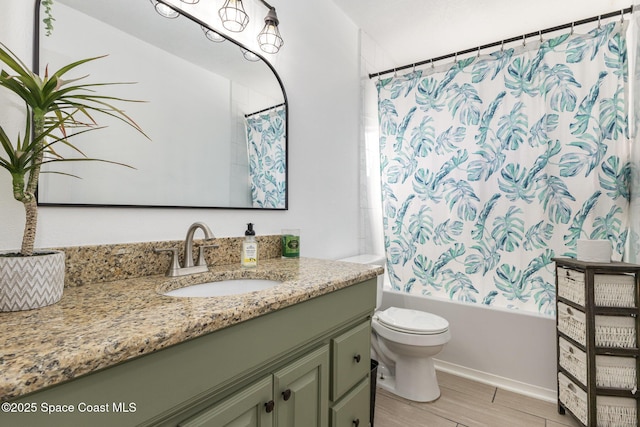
(286, 395)
(357, 359)
(269, 406)
(356, 422)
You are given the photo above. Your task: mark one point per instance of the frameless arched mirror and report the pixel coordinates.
(217, 122)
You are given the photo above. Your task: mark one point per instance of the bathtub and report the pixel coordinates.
(512, 350)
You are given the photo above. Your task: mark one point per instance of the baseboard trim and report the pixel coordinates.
(497, 381)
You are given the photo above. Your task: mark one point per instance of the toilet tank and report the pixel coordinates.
(371, 259)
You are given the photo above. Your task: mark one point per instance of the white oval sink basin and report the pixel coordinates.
(223, 288)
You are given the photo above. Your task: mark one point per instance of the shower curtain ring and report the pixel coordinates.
(432, 66)
(478, 54)
(502, 46)
(599, 23)
(395, 73)
(524, 40)
(572, 27)
(622, 16)
(540, 33)
(455, 58)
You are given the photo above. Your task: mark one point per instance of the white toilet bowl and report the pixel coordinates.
(404, 342)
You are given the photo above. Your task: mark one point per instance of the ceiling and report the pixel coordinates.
(409, 31)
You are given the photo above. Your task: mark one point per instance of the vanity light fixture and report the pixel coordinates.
(164, 10)
(233, 16)
(212, 35)
(269, 38)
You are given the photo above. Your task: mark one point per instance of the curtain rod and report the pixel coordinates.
(263, 110)
(512, 39)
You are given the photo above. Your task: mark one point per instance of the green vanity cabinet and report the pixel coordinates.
(304, 365)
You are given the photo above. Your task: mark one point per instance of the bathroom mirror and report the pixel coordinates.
(209, 112)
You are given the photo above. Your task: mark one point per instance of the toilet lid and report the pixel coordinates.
(412, 321)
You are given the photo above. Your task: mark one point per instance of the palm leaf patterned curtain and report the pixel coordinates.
(493, 165)
(634, 73)
(266, 145)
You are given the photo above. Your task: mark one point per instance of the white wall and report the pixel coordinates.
(320, 71)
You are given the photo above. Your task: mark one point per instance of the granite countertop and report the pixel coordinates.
(98, 325)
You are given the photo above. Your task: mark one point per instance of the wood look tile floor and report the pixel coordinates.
(467, 403)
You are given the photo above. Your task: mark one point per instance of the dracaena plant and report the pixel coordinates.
(56, 110)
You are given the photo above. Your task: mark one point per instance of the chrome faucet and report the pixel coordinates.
(188, 266)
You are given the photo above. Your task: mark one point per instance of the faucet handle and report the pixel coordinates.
(201, 260)
(175, 265)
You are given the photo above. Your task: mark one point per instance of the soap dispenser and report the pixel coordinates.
(249, 257)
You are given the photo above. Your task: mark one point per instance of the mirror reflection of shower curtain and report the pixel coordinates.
(267, 157)
(496, 164)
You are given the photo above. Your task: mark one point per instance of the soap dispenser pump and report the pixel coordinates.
(249, 257)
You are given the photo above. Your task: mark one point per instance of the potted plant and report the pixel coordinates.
(55, 111)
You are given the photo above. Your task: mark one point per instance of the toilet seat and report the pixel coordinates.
(412, 321)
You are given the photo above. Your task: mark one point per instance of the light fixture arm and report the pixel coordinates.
(267, 5)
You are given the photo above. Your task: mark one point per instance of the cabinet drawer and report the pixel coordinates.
(610, 331)
(611, 371)
(351, 359)
(610, 290)
(611, 411)
(353, 409)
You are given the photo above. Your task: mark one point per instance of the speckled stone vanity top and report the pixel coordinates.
(101, 324)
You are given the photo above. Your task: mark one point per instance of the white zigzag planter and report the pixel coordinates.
(31, 282)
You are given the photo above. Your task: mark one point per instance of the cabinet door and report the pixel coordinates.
(301, 391)
(250, 407)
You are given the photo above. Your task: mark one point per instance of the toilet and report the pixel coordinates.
(404, 341)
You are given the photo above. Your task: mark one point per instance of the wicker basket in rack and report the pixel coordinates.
(611, 371)
(610, 290)
(611, 411)
(611, 331)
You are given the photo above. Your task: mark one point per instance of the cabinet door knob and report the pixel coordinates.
(356, 422)
(269, 406)
(357, 358)
(286, 395)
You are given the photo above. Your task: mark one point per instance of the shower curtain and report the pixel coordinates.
(634, 116)
(497, 163)
(266, 145)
